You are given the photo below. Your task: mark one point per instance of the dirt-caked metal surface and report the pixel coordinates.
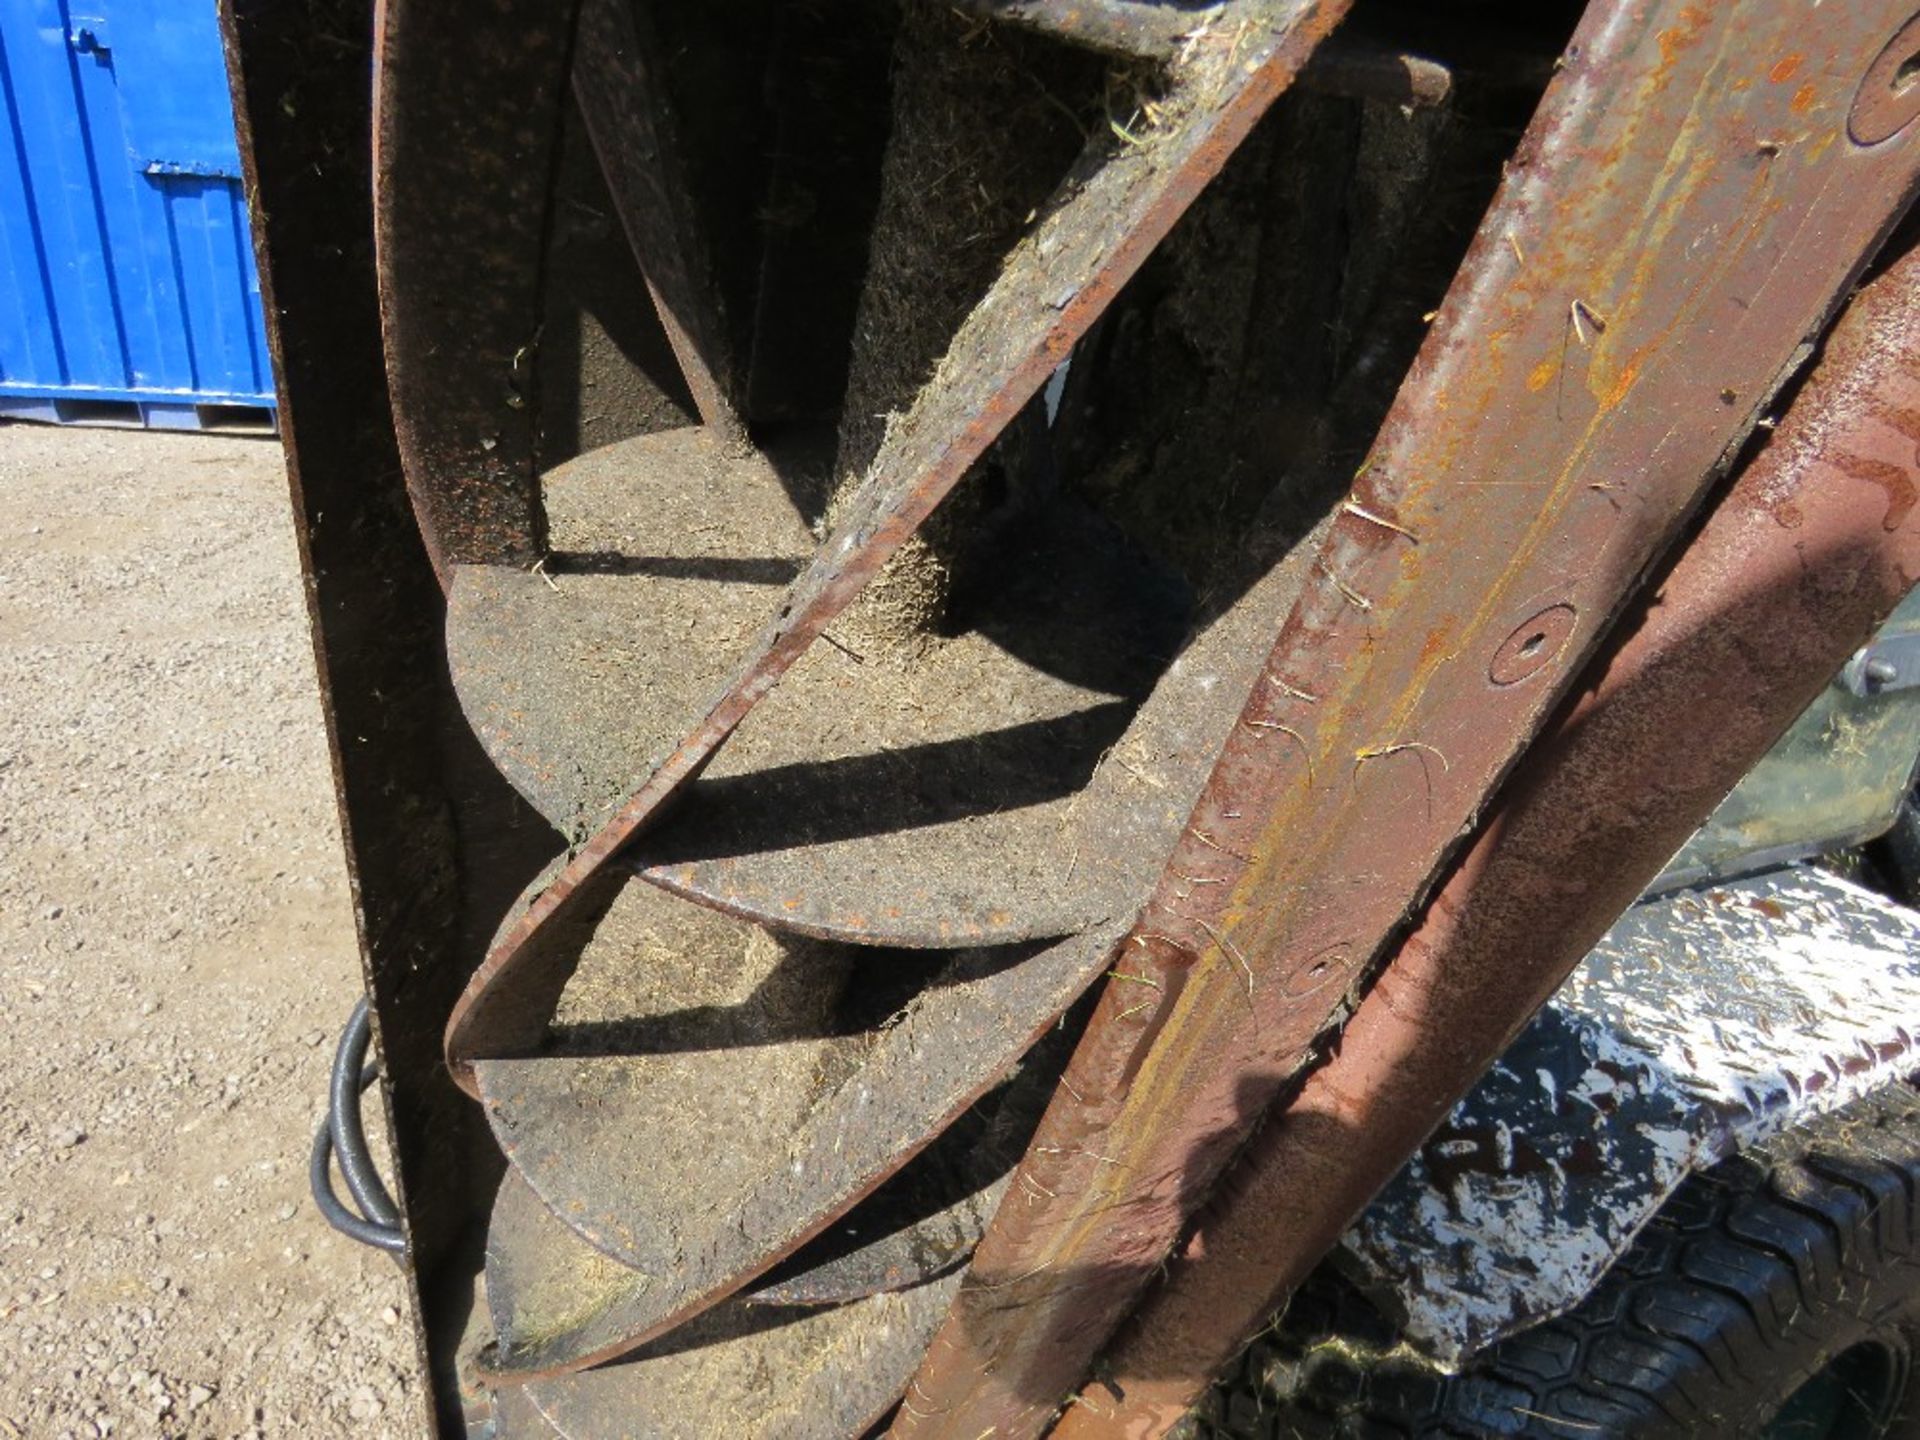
(1814, 542)
(1156, 32)
(546, 1287)
(885, 809)
(974, 838)
(738, 1370)
(894, 1259)
(1105, 221)
(1137, 28)
(926, 1218)
(899, 1260)
(460, 210)
(681, 1023)
(511, 1415)
(619, 82)
(924, 804)
(1673, 232)
(616, 1139)
(665, 551)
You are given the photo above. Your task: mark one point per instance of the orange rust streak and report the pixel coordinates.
(1163, 1123)
(1623, 385)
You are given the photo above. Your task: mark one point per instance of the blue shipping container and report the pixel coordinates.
(126, 269)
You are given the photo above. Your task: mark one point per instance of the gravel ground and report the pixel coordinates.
(176, 957)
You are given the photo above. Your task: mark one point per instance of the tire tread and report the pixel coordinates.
(1751, 1276)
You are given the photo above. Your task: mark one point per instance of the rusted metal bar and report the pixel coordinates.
(1057, 283)
(1128, 28)
(619, 83)
(1359, 70)
(1590, 372)
(460, 214)
(1142, 30)
(299, 82)
(1813, 546)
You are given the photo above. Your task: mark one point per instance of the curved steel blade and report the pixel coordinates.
(1058, 281)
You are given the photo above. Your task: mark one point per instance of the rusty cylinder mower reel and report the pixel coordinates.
(1010, 642)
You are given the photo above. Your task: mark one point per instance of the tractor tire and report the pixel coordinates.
(1773, 1295)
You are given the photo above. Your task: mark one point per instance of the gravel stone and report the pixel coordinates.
(176, 951)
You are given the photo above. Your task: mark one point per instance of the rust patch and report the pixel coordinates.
(1311, 864)
(1674, 41)
(1739, 636)
(1892, 480)
(1623, 384)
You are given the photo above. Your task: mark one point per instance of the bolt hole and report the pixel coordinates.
(1532, 645)
(1907, 75)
